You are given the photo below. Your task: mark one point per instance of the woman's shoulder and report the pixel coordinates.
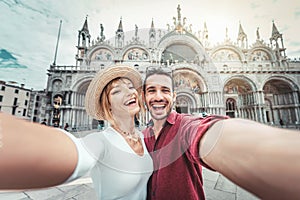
(95, 144)
(94, 137)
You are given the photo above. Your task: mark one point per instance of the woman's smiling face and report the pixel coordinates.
(123, 98)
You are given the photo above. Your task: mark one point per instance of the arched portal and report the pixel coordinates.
(240, 98)
(185, 103)
(281, 101)
(230, 107)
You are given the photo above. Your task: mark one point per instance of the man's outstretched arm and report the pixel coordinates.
(262, 159)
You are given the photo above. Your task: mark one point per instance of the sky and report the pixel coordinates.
(29, 28)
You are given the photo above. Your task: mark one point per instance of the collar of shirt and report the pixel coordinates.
(170, 119)
(165, 136)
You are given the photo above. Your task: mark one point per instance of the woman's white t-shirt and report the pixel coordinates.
(116, 170)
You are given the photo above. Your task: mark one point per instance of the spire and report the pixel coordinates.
(242, 38)
(84, 39)
(242, 34)
(84, 34)
(119, 38)
(275, 32)
(85, 27)
(152, 35)
(276, 42)
(120, 28)
(152, 30)
(152, 24)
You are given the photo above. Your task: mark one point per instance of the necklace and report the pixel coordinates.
(130, 136)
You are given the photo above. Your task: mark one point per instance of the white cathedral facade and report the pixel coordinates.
(254, 81)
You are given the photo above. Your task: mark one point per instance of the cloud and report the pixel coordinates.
(41, 8)
(7, 60)
(294, 53)
(297, 13)
(254, 5)
(6, 55)
(295, 44)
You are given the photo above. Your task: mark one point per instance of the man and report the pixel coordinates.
(248, 153)
(173, 140)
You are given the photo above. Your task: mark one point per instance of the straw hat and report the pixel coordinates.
(101, 79)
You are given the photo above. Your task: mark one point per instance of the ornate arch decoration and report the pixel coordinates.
(279, 84)
(135, 53)
(56, 84)
(227, 53)
(177, 44)
(239, 85)
(261, 54)
(180, 36)
(101, 53)
(186, 79)
(185, 98)
(82, 84)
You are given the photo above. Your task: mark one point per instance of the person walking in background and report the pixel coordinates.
(281, 122)
(246, 152)
(66, 127)
(116, 157)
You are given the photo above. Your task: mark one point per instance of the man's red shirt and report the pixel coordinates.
(175, 153)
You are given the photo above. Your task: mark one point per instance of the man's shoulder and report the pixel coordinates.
(185, 119)
(174, 117)
(183, 116)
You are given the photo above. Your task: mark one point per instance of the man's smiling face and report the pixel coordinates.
(159, 96)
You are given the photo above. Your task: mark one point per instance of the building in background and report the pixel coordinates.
(22, 102)
(37, 107)
(14, 99)
(254, 80)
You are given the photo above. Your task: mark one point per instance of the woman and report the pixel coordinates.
(116, 157)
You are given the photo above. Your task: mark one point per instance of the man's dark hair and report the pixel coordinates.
(154, 70)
